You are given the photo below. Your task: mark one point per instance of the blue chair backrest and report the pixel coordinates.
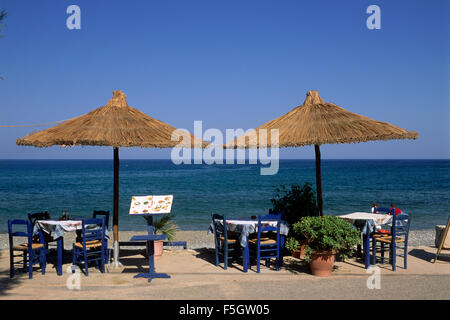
(93, 229)
(262, 227)
(12, 233)
(38, 216)
(218, 222)
(280, 213)
(102, 213)
(400, 225)
(383, 210)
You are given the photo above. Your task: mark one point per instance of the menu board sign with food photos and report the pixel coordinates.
(151, 204)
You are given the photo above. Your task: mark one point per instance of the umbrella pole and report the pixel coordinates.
(116, 262)
(318, 181)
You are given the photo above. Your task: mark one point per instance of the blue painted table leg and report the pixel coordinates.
(374, 251)
(151, 262)
(60, 249)
(246, 257)
(282, 239)
(151, 266)
(366, 248)
(151, 257)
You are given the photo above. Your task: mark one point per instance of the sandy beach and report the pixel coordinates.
(195, 276)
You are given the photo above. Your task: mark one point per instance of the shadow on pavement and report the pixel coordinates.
(134, 260)
(6, 283)
(290, 264)
(209, 255)
(429, 256)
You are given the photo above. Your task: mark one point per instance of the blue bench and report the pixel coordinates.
(143, 243)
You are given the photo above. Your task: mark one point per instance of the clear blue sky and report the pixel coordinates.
(232, 64)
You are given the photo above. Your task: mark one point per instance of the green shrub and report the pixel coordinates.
(292, 244)
(295, 203)
(327, 233)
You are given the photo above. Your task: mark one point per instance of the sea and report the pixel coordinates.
(420, 188)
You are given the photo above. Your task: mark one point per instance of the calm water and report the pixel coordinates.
(418, 187)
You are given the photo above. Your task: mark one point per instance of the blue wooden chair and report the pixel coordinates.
(31, 252)
(266, 245)
(396, 240)
(227, 245)
(282, 237)
(101, 213)
(33, 217)
(105, 214)
(91, 247)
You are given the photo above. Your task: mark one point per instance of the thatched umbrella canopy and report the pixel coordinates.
(317, 122)
(116, 125)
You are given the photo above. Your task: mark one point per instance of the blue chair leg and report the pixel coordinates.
(281, 252)
(279, 259)
(74, 259)
(43, 260)
(217, 256)
(30, 265)
(258, 260)
(225, 256)
(11, 263)
(382, 252)
(25, 259)
(394, 256)
(102, 261)
(85, 262)
(405, 255)
(106, 252)
(374, 252)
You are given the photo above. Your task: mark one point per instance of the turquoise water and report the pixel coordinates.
(418, 187)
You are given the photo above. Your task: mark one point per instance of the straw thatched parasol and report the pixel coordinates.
(116, 125)
(317, 122)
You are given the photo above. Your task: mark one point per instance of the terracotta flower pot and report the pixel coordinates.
(302, 248)
(300, 252)
(322, 263)
(296, 254)
(158, 248)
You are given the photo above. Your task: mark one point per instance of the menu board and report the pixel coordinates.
(151, 204)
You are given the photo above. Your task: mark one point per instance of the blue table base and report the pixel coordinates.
(151, 276)
(150, 238)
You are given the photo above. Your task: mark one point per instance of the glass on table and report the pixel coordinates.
(65, 215)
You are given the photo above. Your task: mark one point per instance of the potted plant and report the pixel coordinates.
(296, 247)
(293, 246)
(327, 236)
(163, 225)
